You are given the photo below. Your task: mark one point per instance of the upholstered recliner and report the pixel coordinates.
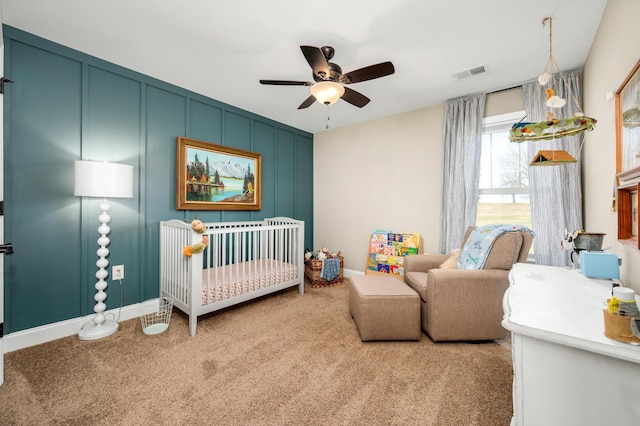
(465, 304)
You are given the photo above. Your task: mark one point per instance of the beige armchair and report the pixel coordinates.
(463, 304)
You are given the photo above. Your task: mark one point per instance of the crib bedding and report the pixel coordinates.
(223, 282)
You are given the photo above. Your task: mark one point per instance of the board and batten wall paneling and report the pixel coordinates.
(205, 121)
(40, 211)
(112, 132)
(285, 173)
(265, 143)
(64, 105)
(304, 191)
(165, 117)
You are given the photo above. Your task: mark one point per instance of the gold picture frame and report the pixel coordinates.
(216, 177)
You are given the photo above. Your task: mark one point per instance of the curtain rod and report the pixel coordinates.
(519, 86)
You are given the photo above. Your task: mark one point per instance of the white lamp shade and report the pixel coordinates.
(102, 179)
(327, 92)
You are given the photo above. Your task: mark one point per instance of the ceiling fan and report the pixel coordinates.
(329, 80)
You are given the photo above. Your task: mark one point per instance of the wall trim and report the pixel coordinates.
(50, 332)
(350, 272)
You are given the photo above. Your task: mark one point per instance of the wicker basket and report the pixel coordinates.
(312, 270)
(618, 327)
(156, 315)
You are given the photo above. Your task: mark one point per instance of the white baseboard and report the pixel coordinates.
(47, 333)
(350, 272)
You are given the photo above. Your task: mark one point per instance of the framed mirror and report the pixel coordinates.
(628, 156)
(628, 122)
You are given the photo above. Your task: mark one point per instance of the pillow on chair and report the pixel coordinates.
(450, 263)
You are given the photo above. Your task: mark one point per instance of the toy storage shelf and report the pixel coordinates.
(387, 251)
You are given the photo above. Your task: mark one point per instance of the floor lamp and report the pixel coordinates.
(103, 180)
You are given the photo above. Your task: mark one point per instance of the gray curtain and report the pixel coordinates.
(461, 168)
(555, 191)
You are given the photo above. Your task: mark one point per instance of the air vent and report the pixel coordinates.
(469, 73)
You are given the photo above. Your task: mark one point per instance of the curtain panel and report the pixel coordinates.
(461, 168)
(555, 191)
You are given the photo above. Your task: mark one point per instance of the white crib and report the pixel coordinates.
(242, 261)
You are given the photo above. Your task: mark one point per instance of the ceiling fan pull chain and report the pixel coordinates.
(328, 116)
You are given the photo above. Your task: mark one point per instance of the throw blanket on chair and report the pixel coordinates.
(475, 251)
(330, 268)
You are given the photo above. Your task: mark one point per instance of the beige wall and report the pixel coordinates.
(386, 173)
(613, 54)
(381, 174)
(504, 102)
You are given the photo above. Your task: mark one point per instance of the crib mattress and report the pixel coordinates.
(223, 282)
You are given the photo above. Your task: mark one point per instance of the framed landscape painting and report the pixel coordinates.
(216, 177)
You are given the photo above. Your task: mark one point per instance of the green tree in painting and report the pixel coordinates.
(249, 181)
(197, 170)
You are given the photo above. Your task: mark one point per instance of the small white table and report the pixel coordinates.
(566, 372)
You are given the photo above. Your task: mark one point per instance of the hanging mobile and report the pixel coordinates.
(552, 127)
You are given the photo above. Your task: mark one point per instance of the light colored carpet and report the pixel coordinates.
(285, 359)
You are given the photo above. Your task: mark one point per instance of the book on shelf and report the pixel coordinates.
(380, 235)
(377, 247)
(387, 250)
(372, 264)
(411, 239)
(397, 238)
(383, 267)
(396, 270)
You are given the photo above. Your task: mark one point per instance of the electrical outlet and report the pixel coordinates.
(117, 272)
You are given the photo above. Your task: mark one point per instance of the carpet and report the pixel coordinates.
(284, 359)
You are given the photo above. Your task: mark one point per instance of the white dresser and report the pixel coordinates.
(566, 372)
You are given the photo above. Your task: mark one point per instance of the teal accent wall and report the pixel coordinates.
(64, 105)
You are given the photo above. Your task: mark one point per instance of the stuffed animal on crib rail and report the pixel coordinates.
(200, 228)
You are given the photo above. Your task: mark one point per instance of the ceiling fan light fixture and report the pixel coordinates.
(327, 92)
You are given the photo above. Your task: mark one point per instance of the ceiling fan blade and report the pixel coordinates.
(368, 73)
(316, 60)
(307, 102)
(355, 98)
(286, 83)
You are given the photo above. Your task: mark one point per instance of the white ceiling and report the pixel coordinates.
(222, 48)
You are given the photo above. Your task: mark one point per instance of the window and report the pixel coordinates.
(504, 174)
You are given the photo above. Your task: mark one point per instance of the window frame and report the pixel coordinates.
(500, 123)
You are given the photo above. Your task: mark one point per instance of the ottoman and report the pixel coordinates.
(384, 308)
